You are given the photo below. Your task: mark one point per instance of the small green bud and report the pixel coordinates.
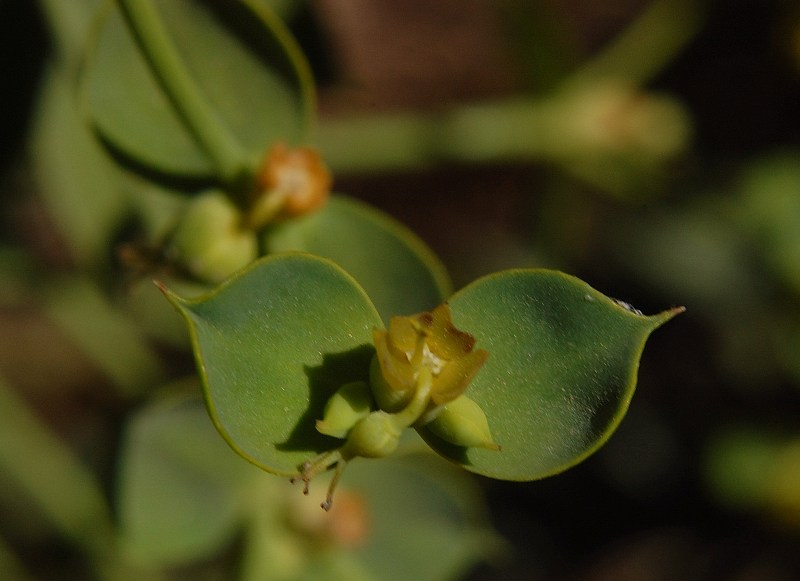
(345, 408)
(209, 240)
(374, 436)
(462, 422)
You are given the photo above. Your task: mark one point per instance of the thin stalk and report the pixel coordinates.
(50, 475)
(219, 143)
(646, 45)
(416, 407)
(112, 340)
(490, 132)
(48, 471)
(516, 129)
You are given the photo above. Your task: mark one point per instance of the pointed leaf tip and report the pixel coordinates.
(562, 369)
(273, 344)
(664, 316)
(175, 300)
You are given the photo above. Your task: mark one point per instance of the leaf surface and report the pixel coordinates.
(562, 366)
(401, 275)
(240, 56)
(178, 485)
(273, 344)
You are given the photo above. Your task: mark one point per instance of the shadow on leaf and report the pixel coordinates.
(457, 454)
(323, 381)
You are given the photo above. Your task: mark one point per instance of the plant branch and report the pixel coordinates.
(166, 64)
(64, 490)
(647, 45)
(61, 487)
(514, 129)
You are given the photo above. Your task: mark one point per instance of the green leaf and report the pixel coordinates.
(273, 344)
(444, 508)
(243, 61)
(768, 210)
(179, 485)
(185, 496)
(560, 374)
(79, 186)
(112, 340)
(401, 275)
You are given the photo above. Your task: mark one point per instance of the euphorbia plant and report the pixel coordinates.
(207, 106)
(517, 376)
(215, 108)
(287, 348)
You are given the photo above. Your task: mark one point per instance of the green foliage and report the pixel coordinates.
(184, 495)
(769, 212)
(269, 365)
(81, 187)
(151, 147)
(236, 57)
(177, 496)
(275, 343)
(397, 270)
(560, 374)
(756, 470)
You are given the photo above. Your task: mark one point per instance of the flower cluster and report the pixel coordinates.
(422, 366)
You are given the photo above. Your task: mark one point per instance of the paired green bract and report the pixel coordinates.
(277, 340)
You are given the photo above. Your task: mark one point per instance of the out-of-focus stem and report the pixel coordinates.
(646, 46)
(50, 474)
(517, 128)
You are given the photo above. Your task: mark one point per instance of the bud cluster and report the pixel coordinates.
(215, 237)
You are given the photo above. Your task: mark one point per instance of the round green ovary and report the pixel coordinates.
(375, 436)
(345, 408)
(209, 242)
(463, 423)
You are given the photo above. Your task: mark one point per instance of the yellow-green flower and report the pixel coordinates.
(422, 364)
(423, 347)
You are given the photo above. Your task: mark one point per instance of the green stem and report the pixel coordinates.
(112, 340)
(39, 462)
(10, 566)
(515, 129)
(50, 474)
(511, 129)
(416, 407)
(214, 137)
(643, 49)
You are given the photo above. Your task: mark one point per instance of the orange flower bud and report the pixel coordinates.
(292, 182)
